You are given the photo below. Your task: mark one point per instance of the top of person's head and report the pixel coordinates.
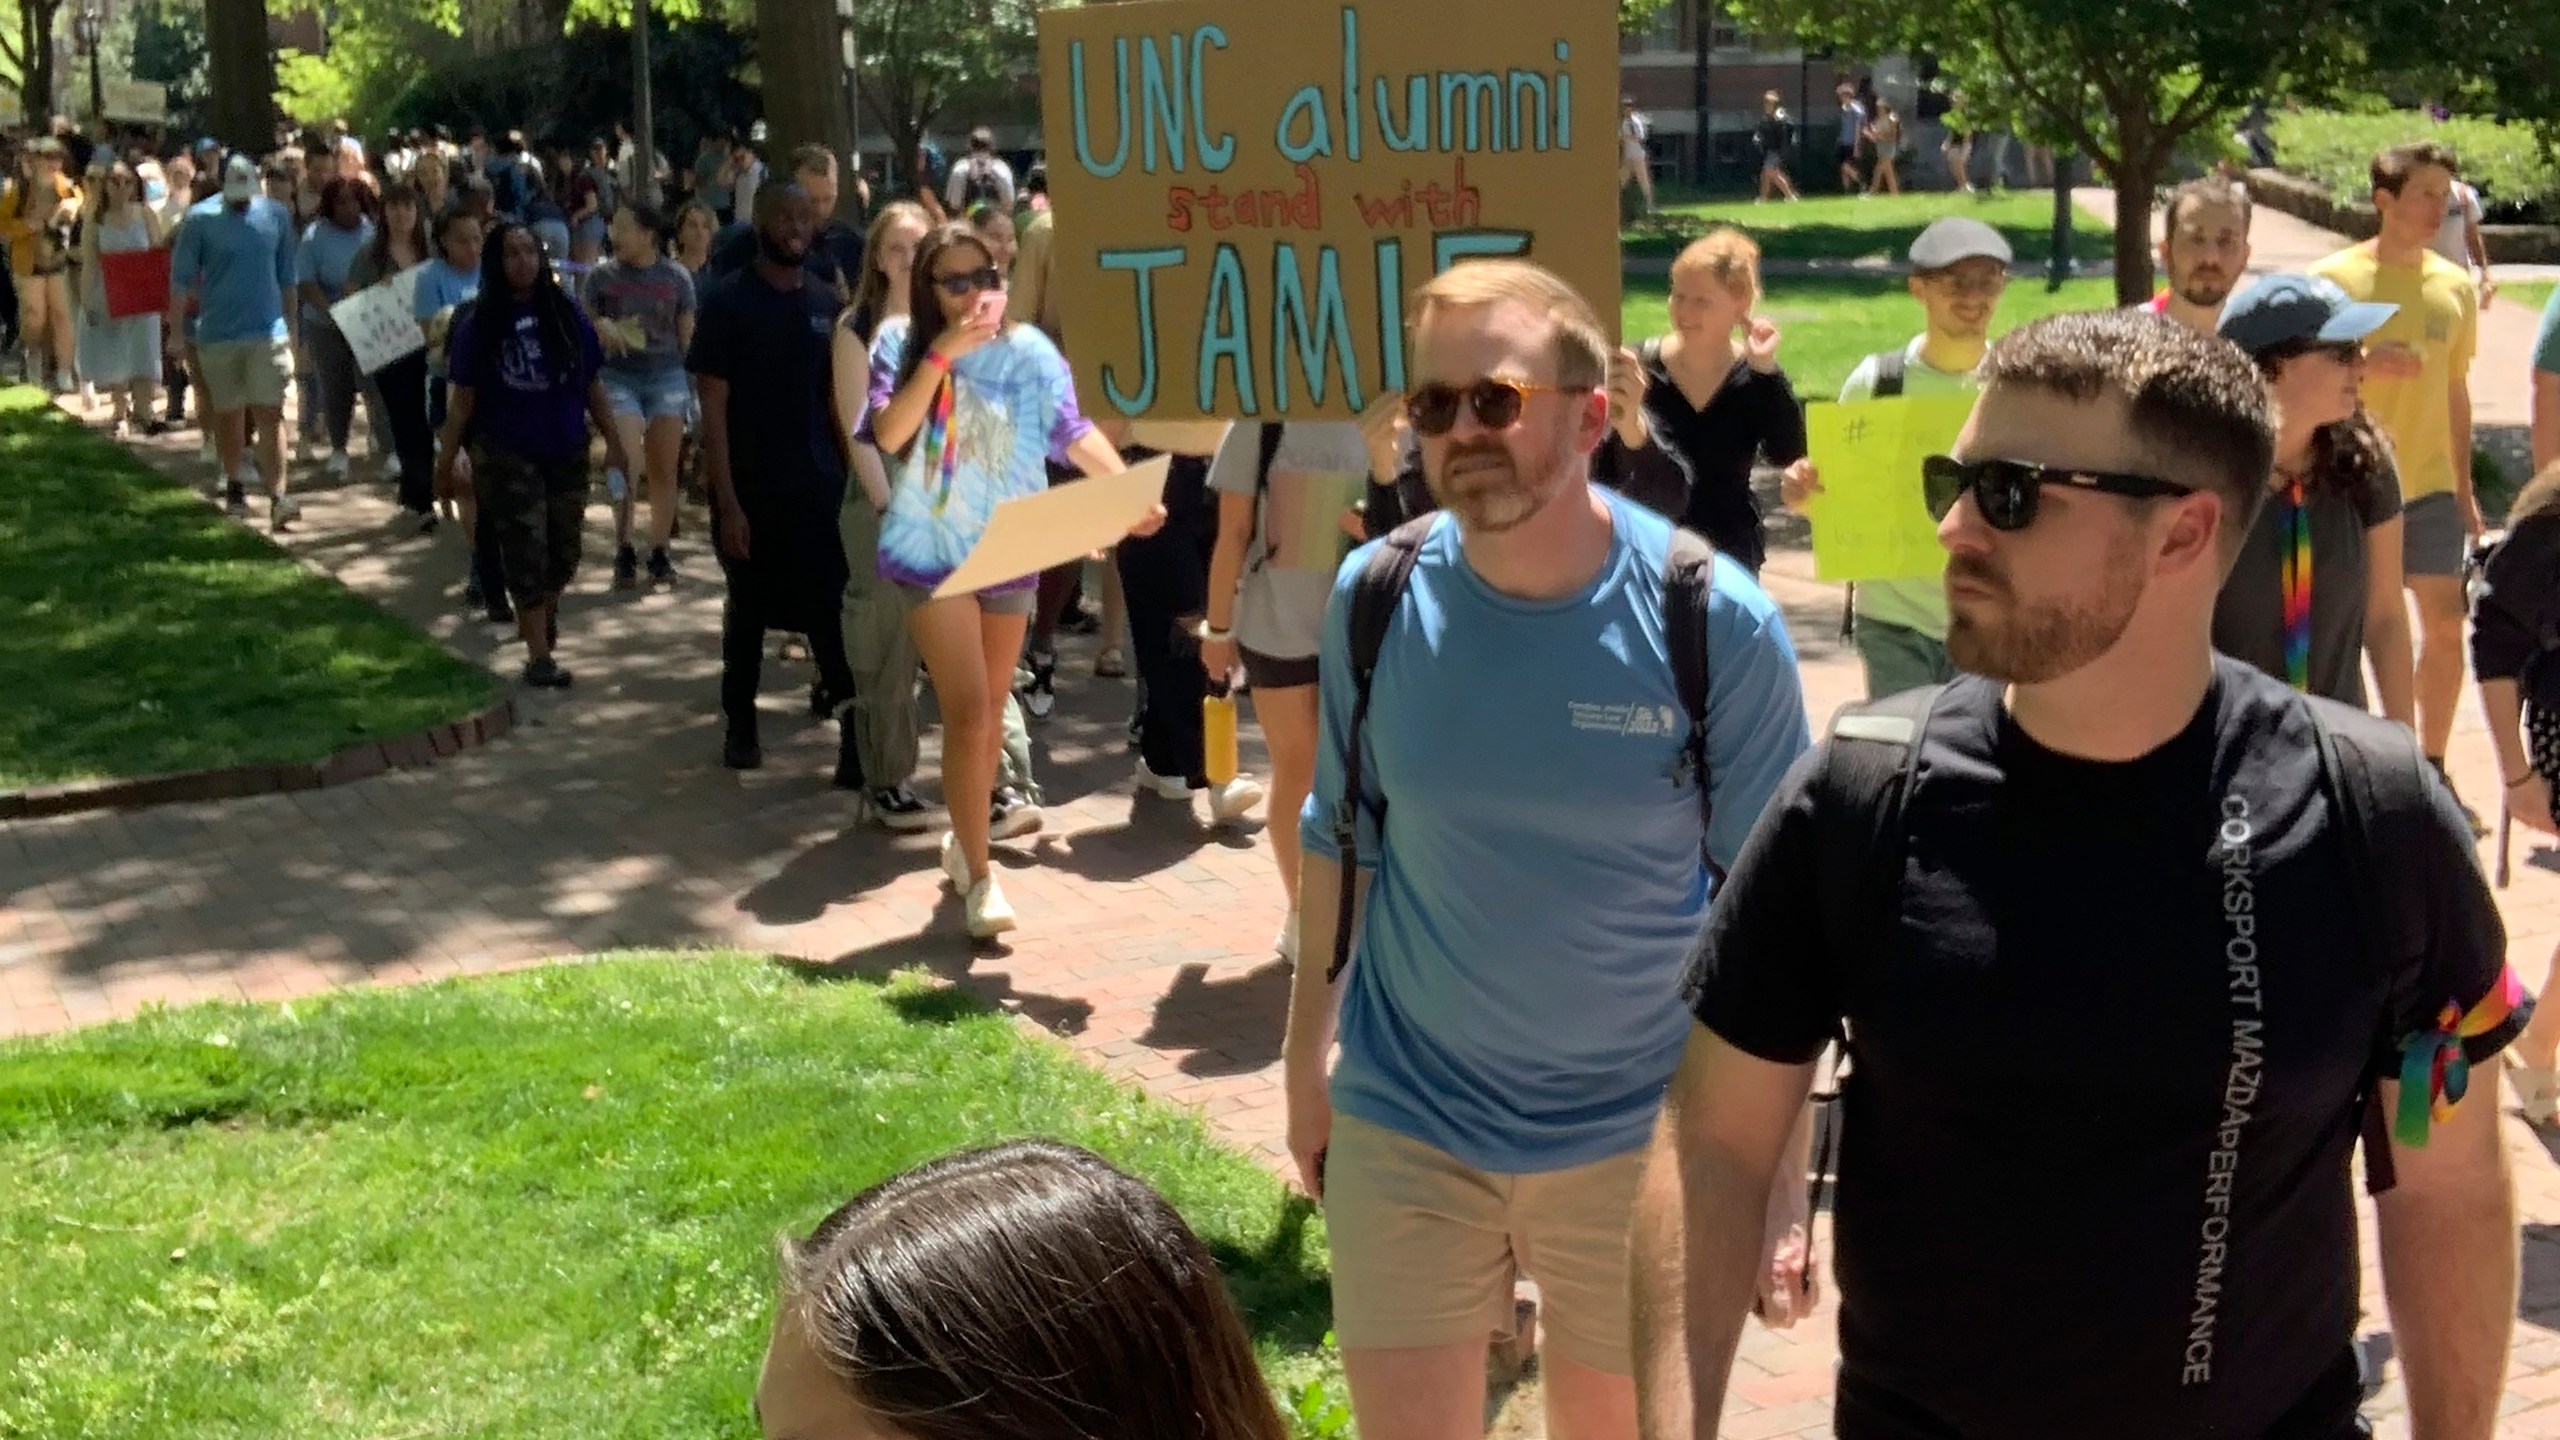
(1581, 346)
(1022, 1292)
(45, 147)
(1724, 255)
(982, 140)
(1770, 98)
(772, 200)
(1951, 240)
(2207, 190)
(2393, 167)
(986, 213)
(477, 187)
(1035, 181)
(2197, 407)
(812, 159)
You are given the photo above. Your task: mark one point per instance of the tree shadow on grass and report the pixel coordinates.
(965, 993)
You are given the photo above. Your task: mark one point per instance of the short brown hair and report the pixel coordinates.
(1581, 345)
(2199, 405)
(2209, 190)
(813, 159)
(1727, 256)
(2393, 167)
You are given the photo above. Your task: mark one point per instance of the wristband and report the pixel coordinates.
(2520, 784)
(1208, 634)
(934, 359)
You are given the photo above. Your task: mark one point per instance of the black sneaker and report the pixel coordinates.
(1011, 815)
(740, 750)
(500, 611)
(822, 703)
(473, 596)
(897, 808)
(662, 571)
(626, 568)
(546, 674)
(1040, 697)
(848, 760)
(235, 500)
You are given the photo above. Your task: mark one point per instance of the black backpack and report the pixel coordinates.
(980, 188)
(1688, 576)
(2374, 772)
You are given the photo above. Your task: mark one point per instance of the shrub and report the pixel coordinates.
(2518, 178)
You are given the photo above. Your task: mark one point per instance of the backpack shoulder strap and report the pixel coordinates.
(1688, 580)
(2378, 778)
(1375, 597)
(1269, 442)
(1890, 367)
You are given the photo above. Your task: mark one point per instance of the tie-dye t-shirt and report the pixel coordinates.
(1013, 408)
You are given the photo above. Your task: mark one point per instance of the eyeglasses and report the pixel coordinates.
(2005, 491)
(1964, 286)
(1433, 408)
(970, 282)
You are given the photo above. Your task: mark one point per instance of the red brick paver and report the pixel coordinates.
(605, 820)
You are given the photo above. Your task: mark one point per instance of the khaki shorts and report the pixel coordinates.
(1426, 1248)
(243, 374)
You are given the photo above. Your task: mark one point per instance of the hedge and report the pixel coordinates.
(2515, 174)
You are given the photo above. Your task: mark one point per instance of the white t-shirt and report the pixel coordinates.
(993, 167)
(1633, 131)
(2452, 240)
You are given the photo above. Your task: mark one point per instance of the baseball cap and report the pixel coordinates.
(1956, 239)
(240, 179)
(2286, 309)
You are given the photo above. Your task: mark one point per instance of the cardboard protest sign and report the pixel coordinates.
(1067, 522)
(1871, 521)
(378, 324)
(1247, 195)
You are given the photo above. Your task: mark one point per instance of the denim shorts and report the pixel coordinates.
(654, 397)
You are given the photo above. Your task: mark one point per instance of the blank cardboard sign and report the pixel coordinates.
(1247, 194)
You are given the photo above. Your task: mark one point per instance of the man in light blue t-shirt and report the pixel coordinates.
(1509, 1018)
(1959, 269)
(2546, 388)
(234, 260)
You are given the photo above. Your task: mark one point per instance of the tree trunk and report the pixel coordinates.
(2136, 175)
(804, 49)
(36, 30)
(241, 71)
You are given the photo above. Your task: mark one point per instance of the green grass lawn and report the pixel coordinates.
(542, 1205)
(1849, 228)
(1830, 322)
(2532, 295)
(149, 634)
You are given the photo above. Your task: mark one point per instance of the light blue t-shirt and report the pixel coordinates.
(2546, 344)
(1513, 998)
(240, 264)
(440, 288)
(325, 256)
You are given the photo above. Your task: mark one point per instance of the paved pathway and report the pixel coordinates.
(605, 820)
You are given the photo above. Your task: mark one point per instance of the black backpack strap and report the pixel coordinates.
(1869, 765)
(2378, 778)
(1269, 440)
(1889, 373)
(1375, 597)
(1688, 578)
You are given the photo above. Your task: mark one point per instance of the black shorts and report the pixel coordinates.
(539, 509)
(1265, 672)
(1848, 154)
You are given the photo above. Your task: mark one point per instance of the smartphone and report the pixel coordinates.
(991, 308)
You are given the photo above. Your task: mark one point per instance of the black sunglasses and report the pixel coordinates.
(970, 282)
(1433, 408)
(2005, 491)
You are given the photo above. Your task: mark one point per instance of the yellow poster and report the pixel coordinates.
(1247, 196)
(1872, 521)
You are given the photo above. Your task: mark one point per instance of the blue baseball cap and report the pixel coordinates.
(2294, 309)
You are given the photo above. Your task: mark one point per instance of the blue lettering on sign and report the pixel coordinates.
(1417, 113)
(1311, 335)
(1218, 154)
(1451, 246)
(1534, 83)
(1391, 314)
(1143, 264)
(1083, 126)
(1160, 100)
(1481, 92)
(1309, 103)
(1226, 334)
(1351, 82)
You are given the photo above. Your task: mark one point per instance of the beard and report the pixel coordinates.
(2024, 644)
(1481, 483)
(781, 252)
(2203, 290)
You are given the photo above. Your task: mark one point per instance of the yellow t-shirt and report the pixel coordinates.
(2440, 319)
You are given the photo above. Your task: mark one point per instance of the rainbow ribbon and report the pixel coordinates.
(2297, 591)
(2434, 1073)
(940, 454)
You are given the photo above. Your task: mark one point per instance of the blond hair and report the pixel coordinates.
(1581, 347)
(2540, 496)
(1726, 256)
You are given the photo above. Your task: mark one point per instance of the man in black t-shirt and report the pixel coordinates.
(763, 362)
(1775, 136)
(834, 253)
(2109, 1002)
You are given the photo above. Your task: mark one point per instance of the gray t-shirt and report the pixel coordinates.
(647, 304)
(1319, 470)
(2248, 618)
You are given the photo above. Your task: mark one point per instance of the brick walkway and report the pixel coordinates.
(605, 821)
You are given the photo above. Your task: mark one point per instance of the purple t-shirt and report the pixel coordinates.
(658, 296)
(525, 409)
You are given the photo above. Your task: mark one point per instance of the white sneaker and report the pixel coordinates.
(989, 913)
(339, 464)
(1234, 800)
(955, 865)
(283, 510)
(1287, 945)
(1169, 786)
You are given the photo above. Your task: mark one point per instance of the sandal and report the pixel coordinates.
(2538, 1088)
(1110, 664)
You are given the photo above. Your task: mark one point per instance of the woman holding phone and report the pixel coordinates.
(967, 408)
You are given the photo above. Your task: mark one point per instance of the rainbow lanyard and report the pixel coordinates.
(2434, 1071)
(2297, 591)
(940, 454)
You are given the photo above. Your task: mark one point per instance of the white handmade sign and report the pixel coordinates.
(379, 324)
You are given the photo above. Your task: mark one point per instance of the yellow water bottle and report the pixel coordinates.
(1218, 733)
